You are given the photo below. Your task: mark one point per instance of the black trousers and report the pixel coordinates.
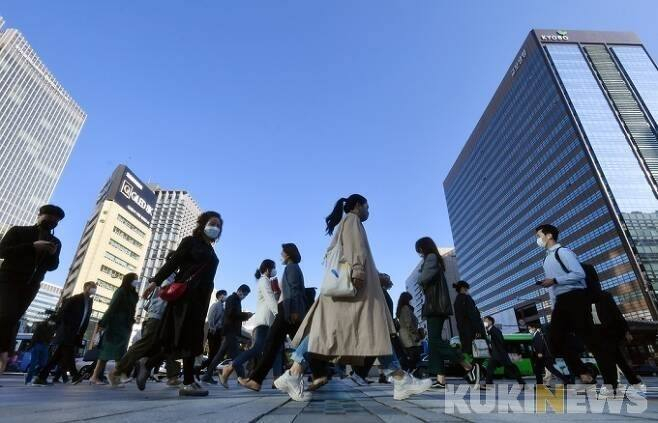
(229, 346)
(510, 370)
(214, 343)
(15, 298)
(543, 363)
(64, 356)
(572, 315)
(610, 356)
(275, 339)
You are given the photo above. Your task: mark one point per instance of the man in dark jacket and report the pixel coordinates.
(72, 321)
(499, 357)
(28, 253)
(232, 328)
(543, 358)
(467, 315)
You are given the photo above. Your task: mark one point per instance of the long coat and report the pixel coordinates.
(117, 322)
(72, 321)
(469, 321)
(349, 329)
(293, 291)
(182, 328)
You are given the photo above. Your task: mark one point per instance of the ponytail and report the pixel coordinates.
(265, 266)
(343, 205)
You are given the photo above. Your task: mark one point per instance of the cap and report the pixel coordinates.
(461, 284)
(52, 210)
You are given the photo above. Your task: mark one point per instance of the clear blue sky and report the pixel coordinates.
(269, 111)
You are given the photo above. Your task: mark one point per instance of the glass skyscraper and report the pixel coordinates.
(39, 125)
(569, 138)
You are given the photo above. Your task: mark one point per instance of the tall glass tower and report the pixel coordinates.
(569, 138)
(39, 125)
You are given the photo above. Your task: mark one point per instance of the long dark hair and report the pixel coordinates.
(343, 205)
(203, 220)
(405, 300)
(426, 246)
(127, 281)
(264, 267)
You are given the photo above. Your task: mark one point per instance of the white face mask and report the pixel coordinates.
(273, 273)
(212, 232)
(541, 243)
(92, 292)
(136, 284)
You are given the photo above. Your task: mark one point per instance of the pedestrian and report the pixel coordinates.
(116, 325)
(266, 311)
(499, 356)
(436, 310)
(411, 334)
(349, 328)
(215, 324)
(291, 309)
(572, 313)
(233, 319)
(544, 362)
(613, 334)
(467, 315)
(43, 334)
(72, 321)
(182, 327)
(28, 252)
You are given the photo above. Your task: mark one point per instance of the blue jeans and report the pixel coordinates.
(38, 360)
(260, 334)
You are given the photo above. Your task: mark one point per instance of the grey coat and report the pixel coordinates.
(293, 291)
(433, 282)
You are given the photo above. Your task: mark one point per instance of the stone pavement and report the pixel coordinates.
(339, 401)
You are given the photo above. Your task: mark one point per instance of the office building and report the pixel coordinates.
(115, 239)
(569, 138)
(44, 304)
(39, 125)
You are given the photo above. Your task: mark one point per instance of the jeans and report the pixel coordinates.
(260, 335)
(38, 360)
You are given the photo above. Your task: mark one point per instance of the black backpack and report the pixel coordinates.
(592, 282)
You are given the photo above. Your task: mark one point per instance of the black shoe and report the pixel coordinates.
(142, 375)
(77, 379)
(193, 390)
(383, 379)
(473, 375)
(438, 385)
(37, 381)
(207, 378)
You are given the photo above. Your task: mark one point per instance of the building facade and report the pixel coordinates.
(115, 239)
(452, 276)
(39, 125)
(569, 138)
(44, 304)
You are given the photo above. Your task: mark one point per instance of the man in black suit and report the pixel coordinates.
(499, 357)
(72, 321)
(543, 358)
(28, 252)
(232, 328)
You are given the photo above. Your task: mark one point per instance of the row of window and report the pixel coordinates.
(132, 227)
(127, 237)
(123, 249)
(111, 257)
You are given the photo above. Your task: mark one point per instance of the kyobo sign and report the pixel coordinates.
(558, 36)
(519, 62)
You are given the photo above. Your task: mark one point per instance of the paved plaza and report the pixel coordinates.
(340, 401)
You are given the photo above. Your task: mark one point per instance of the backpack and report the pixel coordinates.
(592, 282)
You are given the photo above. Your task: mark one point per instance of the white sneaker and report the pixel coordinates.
(605, 393)
(408, 386)
(293, 386)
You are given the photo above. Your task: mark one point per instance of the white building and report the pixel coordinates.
(39, 125)
(46, 300)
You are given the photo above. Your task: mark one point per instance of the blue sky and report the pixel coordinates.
(269, 111)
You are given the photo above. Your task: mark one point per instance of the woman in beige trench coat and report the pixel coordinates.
(349, 329)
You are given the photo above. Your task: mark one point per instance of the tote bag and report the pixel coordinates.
(480, 349)
(337, 280)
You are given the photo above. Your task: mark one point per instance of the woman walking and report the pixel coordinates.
(436, 310)
(291, 310)
(349, 328)
(181, 331)
(410, 334)
(116, 324)
(266, 311)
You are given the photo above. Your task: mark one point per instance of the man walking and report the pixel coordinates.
(28, 252)
(215, 324)
(72, 321)
(499, 357)
(543, 358)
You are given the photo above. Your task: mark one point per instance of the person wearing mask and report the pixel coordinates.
(292, 307)
(266, 311)
(467, 315)
(613, 333)
(572, 313)
(499, 356)
(410, 334)
(233, 319)
(43, 334)
(72, 321)
(544, 362)
(215, 323)
(116, 325)
(28, 252)
(436, 310)
(182, 328)
(352, 328)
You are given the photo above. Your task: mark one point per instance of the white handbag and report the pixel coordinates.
(337, 280)
(480, 349)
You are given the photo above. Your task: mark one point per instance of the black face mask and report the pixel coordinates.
(48, 225)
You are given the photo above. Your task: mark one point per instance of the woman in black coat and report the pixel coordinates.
(182, 326)
(467, 315)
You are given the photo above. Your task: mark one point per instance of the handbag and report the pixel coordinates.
(337, 280)
(481, 348)
(177, 289)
